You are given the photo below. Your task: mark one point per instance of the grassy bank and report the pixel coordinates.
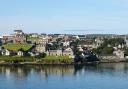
(16, 58)
(57, 58)
(47, 59)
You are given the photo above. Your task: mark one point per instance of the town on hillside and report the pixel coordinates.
(80, 48)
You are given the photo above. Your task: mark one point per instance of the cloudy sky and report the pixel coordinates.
(64, 16)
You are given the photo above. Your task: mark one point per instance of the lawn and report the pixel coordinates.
(16, 58)
(57, 58)
(16, 47)
(32, 38)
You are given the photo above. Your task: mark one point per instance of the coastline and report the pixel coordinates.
(37, 63)
(7, 60)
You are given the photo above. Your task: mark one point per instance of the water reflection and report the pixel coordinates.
(22, 72)
(98, 76)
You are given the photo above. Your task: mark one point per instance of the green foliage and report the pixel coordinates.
(41, 55)
(107, 50)
(113, 42)
(52, 46)
(16, 59)
(104, 49)
(126, 52)
(74, 46)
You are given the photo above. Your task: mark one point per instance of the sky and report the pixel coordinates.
(64, 16)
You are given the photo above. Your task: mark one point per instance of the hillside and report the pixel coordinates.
(16, 47)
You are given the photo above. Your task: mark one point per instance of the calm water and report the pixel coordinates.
(92, 76)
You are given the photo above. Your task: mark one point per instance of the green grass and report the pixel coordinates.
(16, 47)
(57, 58)
(16, 58)
(47, 59)
(32, 38)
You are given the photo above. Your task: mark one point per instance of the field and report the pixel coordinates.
(16, 47)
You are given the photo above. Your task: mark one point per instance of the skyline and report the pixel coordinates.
(65, 16)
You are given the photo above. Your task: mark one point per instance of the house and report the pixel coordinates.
(82, 37)
(66, 44)
(68, 52)
(66, 38)
(98, 42)
(87, 43)
(20, 53)
(18, 32)
(54, 52)
(42, 40)
(61, 36)
(32, 54)
(19, 37)
(43, 35)
(119, 53)
(34, 35)
(80, 48)
(5, 52)
(7, 39)
(40, 48)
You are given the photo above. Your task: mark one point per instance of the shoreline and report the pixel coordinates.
(34, 63)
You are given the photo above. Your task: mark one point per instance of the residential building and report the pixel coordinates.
(40, 48)
(119, 53)
(54, 52)
(34, 35)
(68, 52)
(5, 52)
(7, 39)
(126, 40)
(42, 40)
(98, 42)
(19, 37)
(20, 53)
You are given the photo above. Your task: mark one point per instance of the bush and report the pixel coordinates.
(107, 50)
(41, 55)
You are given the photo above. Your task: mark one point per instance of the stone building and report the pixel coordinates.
(68, 52)
(7, 39)
(54, 52)
(43, 40)
(19, 37)
(40, 48)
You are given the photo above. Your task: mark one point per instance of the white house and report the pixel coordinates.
(80, 48)
(5, 52)
(119, 54)
(32, 54)
(68, 52)
(98, 42)
(34, 35)
(20, 53)
(66, 43)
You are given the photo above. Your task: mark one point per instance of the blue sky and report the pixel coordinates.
(64, 16)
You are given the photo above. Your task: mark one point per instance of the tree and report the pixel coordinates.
(126, 52)
(74, 46)
(21, 49)
(107, 50)
(41, 55)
